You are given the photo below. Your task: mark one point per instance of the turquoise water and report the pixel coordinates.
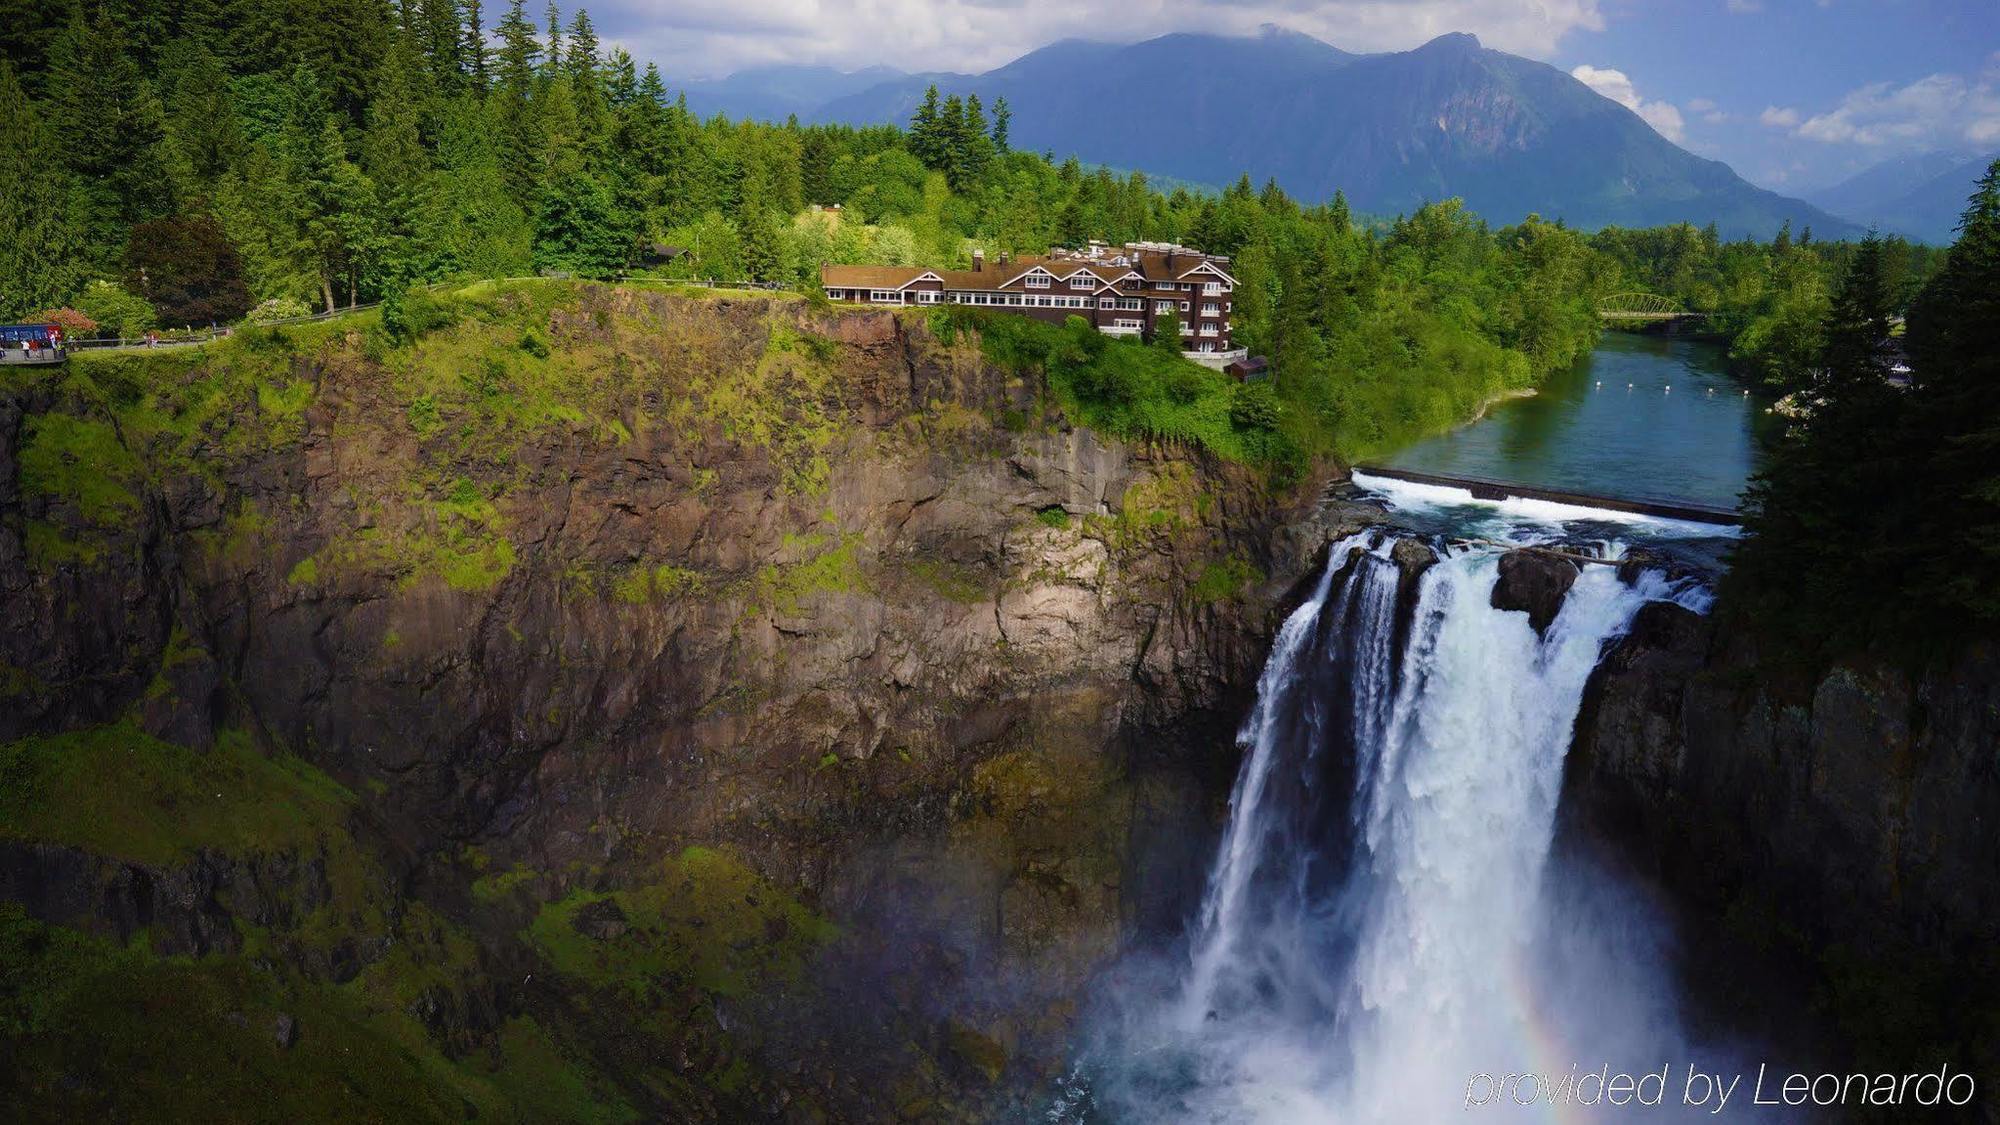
(1642, 418)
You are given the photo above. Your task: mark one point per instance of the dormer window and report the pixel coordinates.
(1083, 281)
(1038, 281)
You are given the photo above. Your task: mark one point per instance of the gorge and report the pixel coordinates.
(632, 705)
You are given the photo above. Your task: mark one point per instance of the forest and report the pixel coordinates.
(213, 160)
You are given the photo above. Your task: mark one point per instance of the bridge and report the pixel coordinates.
(1644, 307)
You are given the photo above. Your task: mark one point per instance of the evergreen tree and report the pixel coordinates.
(552, 61)
(1337, 213)
(1954, 436)
(1003, 119)
(760, 246)
(514, 90)
(472, 44)
(42, 244)
(578, 229)
(926, 130)
(109, 131)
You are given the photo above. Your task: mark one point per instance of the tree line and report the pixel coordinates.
(197, 159)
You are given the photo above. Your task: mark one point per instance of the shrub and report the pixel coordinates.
(73, 323)
(116, 310)
(277, 308)
(1253, 407)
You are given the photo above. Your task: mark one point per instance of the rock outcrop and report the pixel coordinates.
(595, 605)
(1831, 832)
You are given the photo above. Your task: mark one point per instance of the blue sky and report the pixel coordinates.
(1799, 93)
(1795, 94)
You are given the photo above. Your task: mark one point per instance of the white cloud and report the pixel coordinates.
(1664, 117)
(1779, 117)
(707, 38)
(1941, 111)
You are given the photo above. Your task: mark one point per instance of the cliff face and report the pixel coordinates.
(763, 690)
(1833, 833)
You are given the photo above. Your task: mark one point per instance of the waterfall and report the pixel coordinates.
(1378, 925)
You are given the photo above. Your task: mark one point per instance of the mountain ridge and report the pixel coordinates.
(1392, 130)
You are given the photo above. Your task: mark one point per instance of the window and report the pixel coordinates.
(1208, 329)
(1107, 302)
(1207, 347)
(885, 296)
(926, 297)
(1083, 281)
(1211, 289)
(1038, 281)
(1184, 306)
(1128, 322)
(1211, 309)
(1187, 329)
(1163, 306)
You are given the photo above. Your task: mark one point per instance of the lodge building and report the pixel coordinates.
(1120, 290)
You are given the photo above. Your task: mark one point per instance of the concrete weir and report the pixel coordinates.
(1485, 489)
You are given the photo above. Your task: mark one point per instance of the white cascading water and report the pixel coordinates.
(1380, 925)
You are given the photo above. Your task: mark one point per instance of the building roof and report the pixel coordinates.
(1149, 264)
(870, 277)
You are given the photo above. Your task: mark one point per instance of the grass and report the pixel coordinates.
(1120, 387)
(708, 921)
(119, 792)
(1225, 579)
(82, 461)
(783, 588)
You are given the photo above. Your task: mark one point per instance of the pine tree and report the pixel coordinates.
(109, 130)
(514, 90)
(579, 229)
(552, 62)
(1003, 119)
(472, 43)
(761, 250)
(926, 138)
(1955, 427)
(1337, 213)
(42, 252)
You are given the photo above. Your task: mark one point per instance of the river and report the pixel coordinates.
(1641, 418)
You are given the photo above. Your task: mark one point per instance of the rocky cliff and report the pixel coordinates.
(1830, 831)
(566, 702)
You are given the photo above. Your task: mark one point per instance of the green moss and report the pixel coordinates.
(708, 921)
(93, 1031)
(951, 581)
(303, 573)
(1224, 579)
(497, 885)
(120, 792)
(783, 588)
(80, 460)
(48, 547)
(1055, 515)
(285, 404)
(640, 583)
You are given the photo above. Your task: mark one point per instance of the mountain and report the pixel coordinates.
(1917, 196)
(1507, 134)
(773, 93)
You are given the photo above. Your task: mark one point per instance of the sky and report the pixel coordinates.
(1794, 94)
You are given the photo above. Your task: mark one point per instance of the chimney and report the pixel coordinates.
(1170, 259)
(978, 260)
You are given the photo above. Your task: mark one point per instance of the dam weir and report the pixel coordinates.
(1383, 921)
